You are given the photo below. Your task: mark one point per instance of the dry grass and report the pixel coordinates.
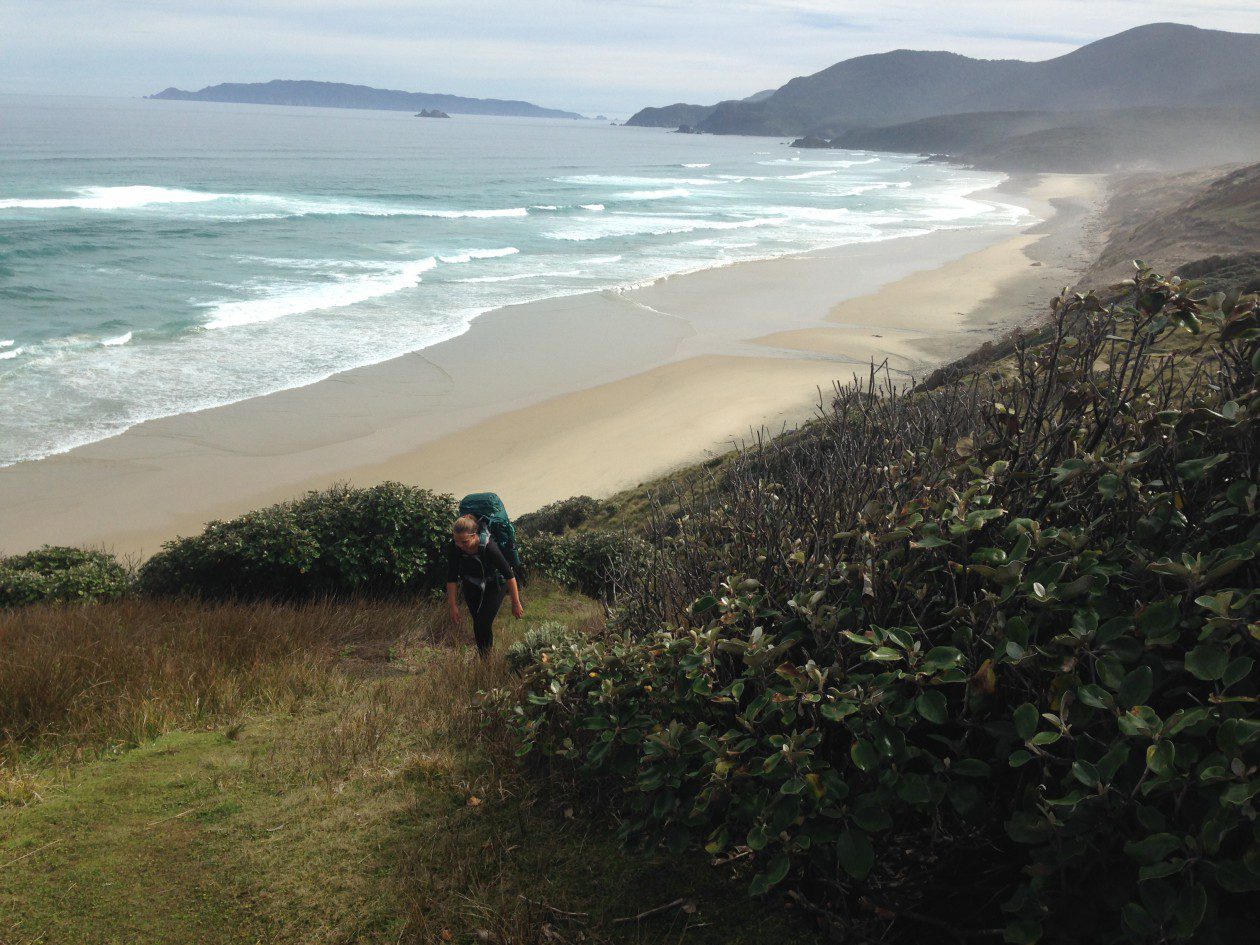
(79, 680)
(325, 776)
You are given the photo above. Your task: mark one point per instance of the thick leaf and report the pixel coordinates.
(1159, 758)
(864, 755)
(1159, 620)
(1095, 696)
(1152, 849)
(1136, 687)
(931, 706)
(1138, 919)
(835, 711)
(1023, 932)
(1191, 908)
(1193, 469)
(941, 657)
(704, 605)
(771, 876)
(1207, 662)
(971, 768)
(855, 853)
(1026, 719)
(1238, 670)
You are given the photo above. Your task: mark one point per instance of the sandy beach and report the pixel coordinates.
(585, 394)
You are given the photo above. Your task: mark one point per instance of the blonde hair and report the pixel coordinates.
(464, 525)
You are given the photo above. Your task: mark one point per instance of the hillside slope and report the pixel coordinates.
(1075, 142)
(1162, 64)
(1169, 222)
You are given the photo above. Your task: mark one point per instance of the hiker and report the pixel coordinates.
(480, 567)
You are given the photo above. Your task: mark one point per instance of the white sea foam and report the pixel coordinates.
(665, 194)
(544, 206)
(271, 207)
(287, 300)
(806, 174)
(469, 255)
(859, 189)
(519, 277)
(629, 225)
(820, 214)
(111, 198)
(818, 163)
(445, 214)
(6, 343)
(740, 178)
(474, 280)
(697, 165)
(619, 180)
(244, 205)
(6, 355)
(122, 339)
(596, 207)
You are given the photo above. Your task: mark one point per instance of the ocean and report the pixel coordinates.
(163, 257)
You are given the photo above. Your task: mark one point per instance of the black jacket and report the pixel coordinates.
(478, 569)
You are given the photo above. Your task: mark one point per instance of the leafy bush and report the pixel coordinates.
(57, 573)
(380, 541)
(559, 517)
(981, 656)
(591, 561)
(527, 650)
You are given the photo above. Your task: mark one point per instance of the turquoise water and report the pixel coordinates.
(163, 257)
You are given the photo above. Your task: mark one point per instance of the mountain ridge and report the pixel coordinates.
(319, 94)
(1160, 64)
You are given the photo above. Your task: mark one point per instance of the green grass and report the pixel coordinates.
(382, 813)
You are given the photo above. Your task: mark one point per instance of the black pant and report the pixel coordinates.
(483, 607)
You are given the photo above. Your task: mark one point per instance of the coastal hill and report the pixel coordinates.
(1163, 64)
(1102, 140)
(1206, 219)
(680, 113)
(341, 95)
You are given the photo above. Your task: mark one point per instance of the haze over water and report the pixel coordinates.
(162, 257)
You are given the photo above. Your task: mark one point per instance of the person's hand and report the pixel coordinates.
(518, 610)
(457, 618)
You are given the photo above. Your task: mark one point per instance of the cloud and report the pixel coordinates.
(589, 55)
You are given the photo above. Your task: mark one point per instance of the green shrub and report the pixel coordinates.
(559, 517)
(381, 541)
(591, 561)
(978, 657)
(55, 573)
(527, 650)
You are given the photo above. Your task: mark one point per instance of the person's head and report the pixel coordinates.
(464, 531)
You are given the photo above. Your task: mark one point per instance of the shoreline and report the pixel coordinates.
(581, 394)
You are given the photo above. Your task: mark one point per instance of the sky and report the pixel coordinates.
(593, 56)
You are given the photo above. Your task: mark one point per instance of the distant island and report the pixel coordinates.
(431, 113)
(1015, 114)
(341, 95)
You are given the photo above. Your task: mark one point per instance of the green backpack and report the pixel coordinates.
(493, 522)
